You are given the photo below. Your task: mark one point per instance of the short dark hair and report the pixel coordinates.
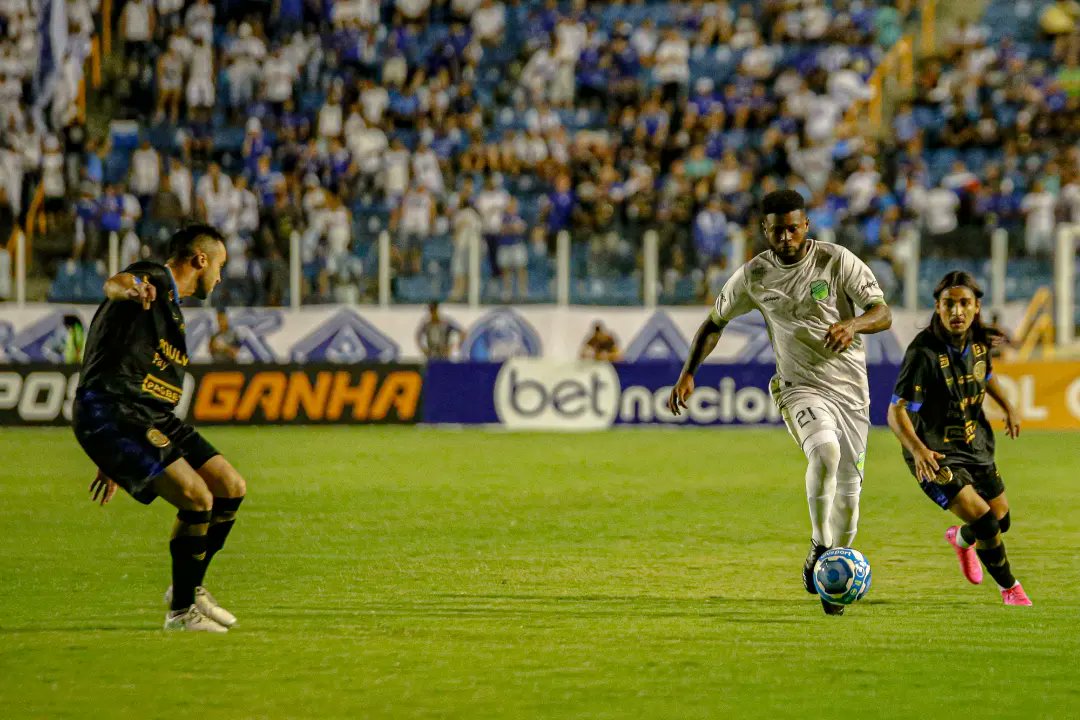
(780, 202)
(185, 242)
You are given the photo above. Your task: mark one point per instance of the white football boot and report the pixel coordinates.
(208, 606)
(192, 620)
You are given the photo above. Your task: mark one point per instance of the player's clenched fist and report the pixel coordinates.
(840, 336)
(144, 292)
(680, 393)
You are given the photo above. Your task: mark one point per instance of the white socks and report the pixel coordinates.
(823, 456)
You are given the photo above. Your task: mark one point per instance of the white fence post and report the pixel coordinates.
(295, 266)
(20, 269)
(562, 269)
(384, 269)
(474, 269)
(999, 260)
(911, 269)
(1064, 288)
(114, 253)
(652, 267)
(738, 249)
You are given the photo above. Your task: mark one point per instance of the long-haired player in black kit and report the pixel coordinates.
(937, 412)
(131, 381)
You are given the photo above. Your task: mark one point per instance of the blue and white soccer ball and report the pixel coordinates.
(842, 576)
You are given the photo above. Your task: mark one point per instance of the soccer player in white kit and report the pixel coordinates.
(809, 293)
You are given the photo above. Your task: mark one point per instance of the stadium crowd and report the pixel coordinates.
(329, 122)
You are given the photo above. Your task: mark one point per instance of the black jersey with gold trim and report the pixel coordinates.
(944, 387)
(136, 354)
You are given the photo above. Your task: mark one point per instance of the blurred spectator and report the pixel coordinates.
(1038, 207)
(513, 253)
(438, 338)
(600, 345)
(224, 345)
(413, 223)
(491, 205)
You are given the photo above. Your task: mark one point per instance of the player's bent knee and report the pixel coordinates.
(198, 499)
(986, 527)
(222, 478)
(1005, 523)
(824, 447)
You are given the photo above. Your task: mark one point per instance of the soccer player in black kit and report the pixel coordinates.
(937, 413)
(123, 417)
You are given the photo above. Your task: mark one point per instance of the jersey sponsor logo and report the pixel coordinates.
(501, 335)
(979, 370)
(172, 353)
(819, 290)
(770, 298)
(281, 395)
(345, 338)
(161, 390)
(157, 438)
(659, 340)
(869, 285)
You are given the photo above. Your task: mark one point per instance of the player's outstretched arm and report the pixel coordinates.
(704, 342)
(1012, 425)
(926, 465)
(125, 286)
(840, 335)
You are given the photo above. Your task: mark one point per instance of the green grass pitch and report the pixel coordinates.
(416, 573)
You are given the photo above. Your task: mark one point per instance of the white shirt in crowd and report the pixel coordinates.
(846, 86)
(426, 170)
(860, 188)
(1039, 208)
(489, 22)
(396, 175)
(417, 210)
(644, 41)
(338, 229)
(180, 182)
(374, 101)
(218, 199)
(145, 171)
(673, 61)
(572, 38)
(759, 61)
(823, 113)
(491, 205)
(279, 75)
(136, 20)
(331, 122)
(464, 8)
(52, 174)
(367, 148)
(200, 21)
(413, 9)
(202, 62)
(939, 210)
(1070, 198)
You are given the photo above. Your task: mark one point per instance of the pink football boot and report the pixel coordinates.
(969, 561)
(1015, 596)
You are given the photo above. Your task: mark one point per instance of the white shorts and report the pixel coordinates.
(200, 93)
(512, 257)
(807, 413)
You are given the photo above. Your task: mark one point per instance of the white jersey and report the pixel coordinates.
(799, 303)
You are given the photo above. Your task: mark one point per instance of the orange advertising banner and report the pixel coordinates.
(1044, 394)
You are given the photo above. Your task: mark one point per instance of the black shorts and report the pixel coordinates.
(133, 443)
(984, 478)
